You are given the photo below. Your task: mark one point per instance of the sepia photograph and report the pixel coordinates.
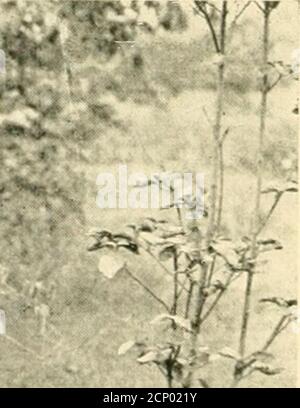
(149, 195)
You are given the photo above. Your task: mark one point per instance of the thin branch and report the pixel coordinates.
(211, 270)
(213, 6)
(175, 286)
(223, 27)
(217, 128)
(230, 279)
(221, 187)
(189, 299)
(201, 299)
(256, 220)
(207, 116)
(272, 209)
(200, 296)
(280, 76)
(182, 287)
(223, 137)
(163, 267)
(277, 330)
(24, 348)
(221, 179)
(148, 290)
(240, 13)
(259, 6)
(210, 24)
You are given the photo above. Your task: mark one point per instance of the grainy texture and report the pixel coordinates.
(161, 86)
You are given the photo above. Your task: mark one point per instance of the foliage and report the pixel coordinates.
(202, 262)
(64, 61)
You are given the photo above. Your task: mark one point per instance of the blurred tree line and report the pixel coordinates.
(62, 61)
(47, 116)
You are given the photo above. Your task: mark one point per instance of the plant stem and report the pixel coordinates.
(217, 299)
(280, 326)
(164, 268)
(170, 377)
(221, 186)
(175, 289)
(189, 299)
(179, 215)
(217, 128)
(256, 220)
(148, 290)
(272, 209)
(204, 12)
(214, 178)
(277, 330)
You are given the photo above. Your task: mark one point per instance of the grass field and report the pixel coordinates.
(182, 132)
(91, 316)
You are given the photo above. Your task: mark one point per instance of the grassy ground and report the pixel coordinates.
(178, 138)
(95, 316)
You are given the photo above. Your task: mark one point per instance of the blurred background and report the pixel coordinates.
(89, 85)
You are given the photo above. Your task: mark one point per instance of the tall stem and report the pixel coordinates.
(217, 129)
(256, 219)
(221, 187)
(215, 164)
(175, 288)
